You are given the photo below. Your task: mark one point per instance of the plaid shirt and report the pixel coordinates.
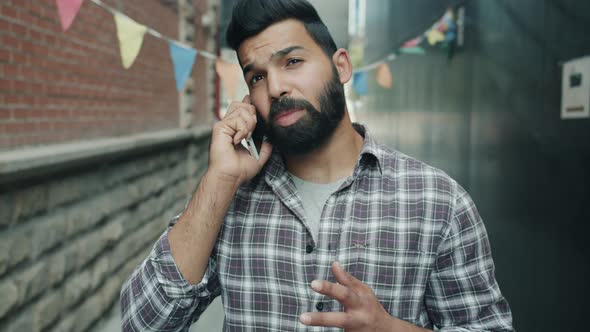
(406, 229)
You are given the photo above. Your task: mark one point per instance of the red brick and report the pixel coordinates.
(20, 127)
(11, 42)
(76, 80)
(9, 12)
(4, 56)
(11, 71)
(5, 85)
(28, 47)
(27, 100)
(19, 86)
(36, 36)
(51, 40)
(34, 8)
(5, 113)
(12, 99)
(20, 113)
(19, 30)
(4, 25)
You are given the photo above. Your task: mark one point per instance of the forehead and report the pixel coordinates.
(260, 48)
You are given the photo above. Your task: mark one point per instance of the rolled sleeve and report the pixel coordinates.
(463, 294)
(170, 278)
(156, 297)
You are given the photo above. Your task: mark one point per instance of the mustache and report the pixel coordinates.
(286, 104)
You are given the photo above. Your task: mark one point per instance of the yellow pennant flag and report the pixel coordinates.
(434, 36)
(384, 77)
(130, 35)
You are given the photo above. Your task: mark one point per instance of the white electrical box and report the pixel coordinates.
(575, 96)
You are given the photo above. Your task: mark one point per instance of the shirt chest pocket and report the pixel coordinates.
(397, 276)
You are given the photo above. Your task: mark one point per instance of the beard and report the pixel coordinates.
(315, 127)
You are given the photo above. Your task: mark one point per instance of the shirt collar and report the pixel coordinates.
(371, 154)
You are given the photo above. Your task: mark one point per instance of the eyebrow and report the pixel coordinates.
(278, 54)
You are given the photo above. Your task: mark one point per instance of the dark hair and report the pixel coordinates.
(250, 17)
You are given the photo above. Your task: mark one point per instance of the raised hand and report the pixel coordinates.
(362, 309)
(228, 159)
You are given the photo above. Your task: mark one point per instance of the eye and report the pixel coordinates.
(293, 62)
(255, 79)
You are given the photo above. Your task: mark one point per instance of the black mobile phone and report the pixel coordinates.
(255, 142)
(259, 132)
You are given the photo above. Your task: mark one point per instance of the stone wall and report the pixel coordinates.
(71, 233)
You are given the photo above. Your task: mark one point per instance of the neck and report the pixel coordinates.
(332, 161)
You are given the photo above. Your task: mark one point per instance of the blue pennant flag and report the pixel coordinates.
(183, 59)
(359, 83)
(450, 36)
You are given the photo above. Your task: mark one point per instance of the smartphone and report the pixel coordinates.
(255, 142)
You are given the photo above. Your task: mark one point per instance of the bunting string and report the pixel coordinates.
(131, 35)
(444, 31)
(153, 32)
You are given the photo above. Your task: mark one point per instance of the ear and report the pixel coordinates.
(341, 60)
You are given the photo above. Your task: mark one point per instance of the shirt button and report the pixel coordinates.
(319, 306)
(309, 249)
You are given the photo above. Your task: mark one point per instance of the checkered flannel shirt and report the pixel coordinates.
(406, 229)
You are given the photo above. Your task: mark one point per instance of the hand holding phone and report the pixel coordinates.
(254, 143)
(252, 148)
(227, 156)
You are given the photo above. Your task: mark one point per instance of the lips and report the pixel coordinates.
(286, 113)
(287, 118)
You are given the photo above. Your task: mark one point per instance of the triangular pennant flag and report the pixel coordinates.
(230, 75)
(359, 83)
(68, 9)
(384, 77)
(434, 36)
(450, 36)
(130, 35)
(449, 17)
(414, 42)
(412, 50)
(183, 59)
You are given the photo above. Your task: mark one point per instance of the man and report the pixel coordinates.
(327, 228)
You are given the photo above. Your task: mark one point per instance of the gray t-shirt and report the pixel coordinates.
(313, 197)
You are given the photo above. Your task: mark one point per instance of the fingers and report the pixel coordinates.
(242, 122)
(265, 152)
(245, 105)
(328, 319)
(241, 118)
(343, 277)
(342, 294)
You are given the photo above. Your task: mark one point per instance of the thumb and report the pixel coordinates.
(246, 99)
(265, 152)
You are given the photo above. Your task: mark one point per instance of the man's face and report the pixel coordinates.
(294, 86)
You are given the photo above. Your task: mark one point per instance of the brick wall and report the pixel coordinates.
(61, 86)
(77, 217)
(69, 239)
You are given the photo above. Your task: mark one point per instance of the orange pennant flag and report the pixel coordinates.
(384, 76)
(230, 75)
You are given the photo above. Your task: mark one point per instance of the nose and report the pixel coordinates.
(277, 86)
